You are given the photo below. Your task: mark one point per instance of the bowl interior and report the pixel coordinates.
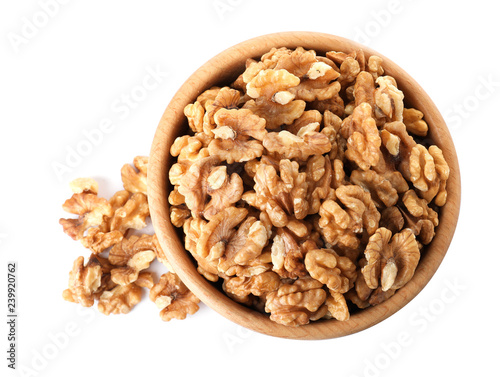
(223, 69)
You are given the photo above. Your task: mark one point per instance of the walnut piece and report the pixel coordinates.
(391, 263)
(119, 300)
(336, 272)
(294, 304)
(131, 256)
(84, 281)
(363, 139)
(91, 210)
(173, 298)
(238, 135)
(136, 181)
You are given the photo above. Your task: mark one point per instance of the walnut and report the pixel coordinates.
(374, 66)
(307, 117)
(335, 225)
(392, 219)
(349, 70)
(279, 196)
(391, 263)
(412, 118)
(178, 215)
(287, 256)
(91, 210)
(173, 298)
(363, 296)
(131, 256)
(363, 139)
(216, 234)
(84, 281)
(294, 304)
(421, 219)
(389, 98)
(245, 245)
(273, 85)
(132, 215)
(84, 185)
(189, 149)
(364, 91)
(318, 84)
(238, 135)
(297, 62)
(307, 142)
(274, 113)
(429, 173)
(336, 272)
(119, 300)
(360, 207)
(226, 98)
(337, 306)
(404, 147)
(205, 178)
(319, 177)
(136, 181)
(267, 61)
(381, 190)
(98, 241)
(255, 266)
(194, 113)
(256, 285)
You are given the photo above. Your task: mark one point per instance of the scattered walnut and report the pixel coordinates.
(119, 300)
(84, 185)
(131, 256)
(392, 262)
(132, 215)
(91, 211)
(136, 181)
(173, 298)
(84, 281)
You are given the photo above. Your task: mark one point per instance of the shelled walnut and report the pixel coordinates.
(104, 226)
(305, 185)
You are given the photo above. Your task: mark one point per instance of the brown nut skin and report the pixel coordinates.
(173, 298)
(294, 304)
(336, 272)
(391, 263)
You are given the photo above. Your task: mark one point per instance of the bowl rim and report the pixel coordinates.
(217, 69)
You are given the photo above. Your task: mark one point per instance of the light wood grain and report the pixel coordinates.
(224, 68)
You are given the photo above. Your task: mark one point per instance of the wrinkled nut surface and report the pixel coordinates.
(173, 298)
(305, 185)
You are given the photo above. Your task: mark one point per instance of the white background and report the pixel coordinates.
(62, 78)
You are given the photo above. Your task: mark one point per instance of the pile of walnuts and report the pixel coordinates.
(116, 271)
(306, 185)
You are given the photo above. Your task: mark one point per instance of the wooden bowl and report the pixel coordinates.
(223, 69)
